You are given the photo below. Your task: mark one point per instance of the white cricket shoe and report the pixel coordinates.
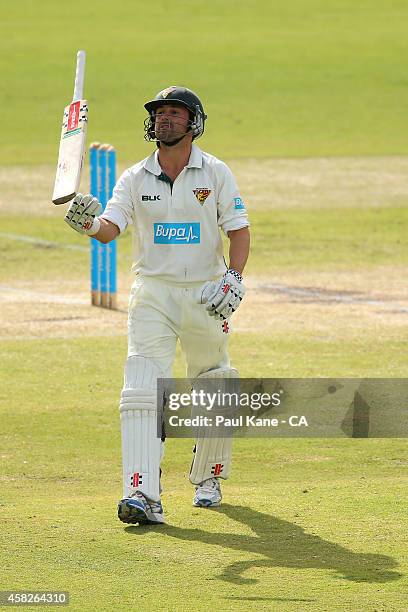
(138, 509)
(208, 494)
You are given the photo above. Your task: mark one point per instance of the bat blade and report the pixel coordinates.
(71, 152)
(73, 140)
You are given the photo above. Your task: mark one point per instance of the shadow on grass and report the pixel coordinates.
(283, 544)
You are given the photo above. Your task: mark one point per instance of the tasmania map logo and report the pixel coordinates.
(201, 194)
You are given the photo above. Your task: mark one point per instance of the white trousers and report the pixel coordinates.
(160, 313)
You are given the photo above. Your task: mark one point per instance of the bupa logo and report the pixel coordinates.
(177, 233)
(150, 198)
(238, 204)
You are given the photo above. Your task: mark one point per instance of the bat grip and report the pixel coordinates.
(79, 76)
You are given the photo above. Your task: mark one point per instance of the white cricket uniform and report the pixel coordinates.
(177, 248)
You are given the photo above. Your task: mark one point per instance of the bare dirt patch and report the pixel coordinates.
(317, 305)
(313, 306)
(56, 310)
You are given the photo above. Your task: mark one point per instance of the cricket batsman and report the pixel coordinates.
(177, 201)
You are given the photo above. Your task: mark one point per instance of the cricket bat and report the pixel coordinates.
(73, 140)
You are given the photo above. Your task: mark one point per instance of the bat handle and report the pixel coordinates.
(79, 76)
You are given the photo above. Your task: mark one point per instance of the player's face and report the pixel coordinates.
(171, 122)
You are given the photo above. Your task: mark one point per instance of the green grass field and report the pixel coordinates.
(306, 102)
(306, 524)
(278, 79)
(287, 239)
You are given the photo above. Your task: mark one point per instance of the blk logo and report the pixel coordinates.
(150, 198)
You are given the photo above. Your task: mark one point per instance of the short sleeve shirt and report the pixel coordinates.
(177, 226)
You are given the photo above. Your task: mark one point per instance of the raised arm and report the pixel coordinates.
(82, 216)
(107, 232)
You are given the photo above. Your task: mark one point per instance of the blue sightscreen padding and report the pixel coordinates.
(93, 161)
(102, 193)
(94, 264)
(111, 170)
(112, 267)
(102, 197)
(112, 245)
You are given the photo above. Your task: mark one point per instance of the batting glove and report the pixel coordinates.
(223, 298)
(82, 214)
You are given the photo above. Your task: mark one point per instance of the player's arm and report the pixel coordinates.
(224, 298)
(107, 232)
(82, 216)
(239, 248)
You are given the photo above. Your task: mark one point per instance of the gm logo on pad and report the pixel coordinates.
(177, 233)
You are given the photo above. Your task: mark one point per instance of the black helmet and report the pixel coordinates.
(177, 95)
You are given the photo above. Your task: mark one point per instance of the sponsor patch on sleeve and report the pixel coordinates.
(239, 204)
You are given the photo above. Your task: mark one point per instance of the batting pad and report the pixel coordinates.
(212, 455)
(141, 448)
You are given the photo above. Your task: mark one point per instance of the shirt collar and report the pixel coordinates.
(196, 157)
(152, 162)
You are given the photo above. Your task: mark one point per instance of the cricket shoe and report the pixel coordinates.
(208, 494)
(138, 509)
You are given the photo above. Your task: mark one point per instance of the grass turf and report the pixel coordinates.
(333, 239)
(277, 79)
(289, 535)
(306, 524)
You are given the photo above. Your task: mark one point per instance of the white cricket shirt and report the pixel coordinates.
(177, 230)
